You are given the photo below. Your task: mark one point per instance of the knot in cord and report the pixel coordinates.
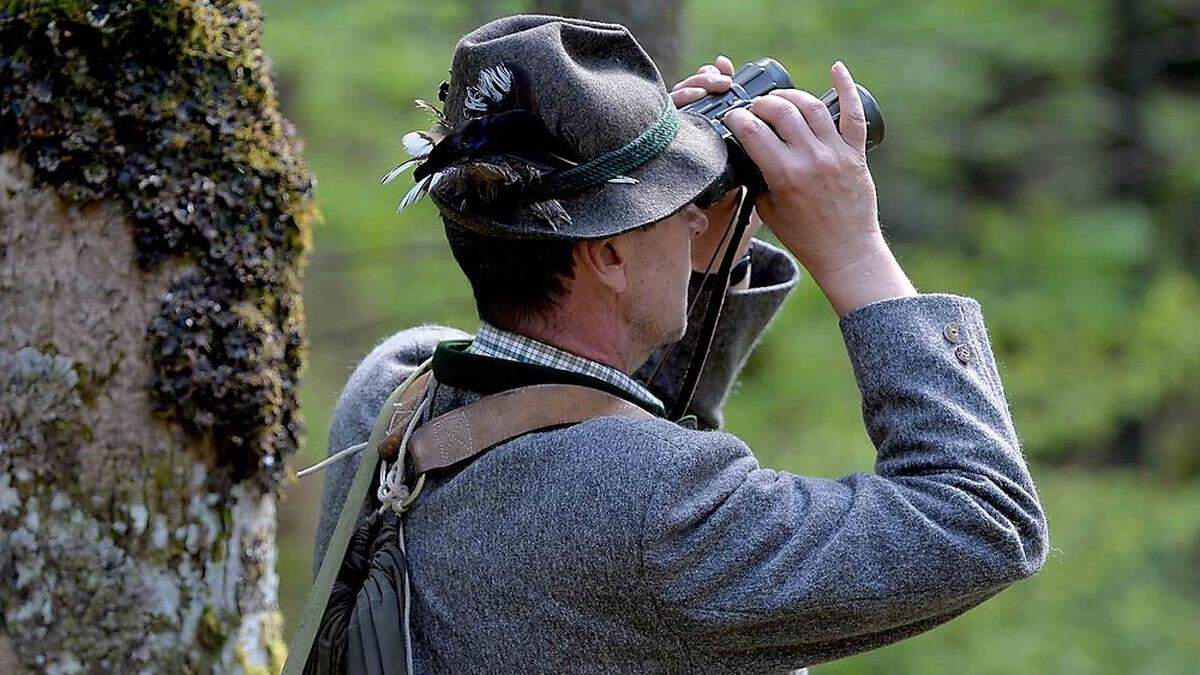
(392, 492)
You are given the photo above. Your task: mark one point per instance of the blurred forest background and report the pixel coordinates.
(1043, 157)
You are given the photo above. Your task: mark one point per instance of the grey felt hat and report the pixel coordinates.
(591, 87)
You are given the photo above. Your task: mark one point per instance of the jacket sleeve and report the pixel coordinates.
(744, 318)
(770, 570)
(375, 378)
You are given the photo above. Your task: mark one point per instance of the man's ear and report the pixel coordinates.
(603, 260)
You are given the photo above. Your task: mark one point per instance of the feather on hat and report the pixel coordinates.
(527, 105)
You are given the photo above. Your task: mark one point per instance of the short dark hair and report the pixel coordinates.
(513, 280)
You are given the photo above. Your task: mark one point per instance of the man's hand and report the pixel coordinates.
(713, 78)
(821, 201)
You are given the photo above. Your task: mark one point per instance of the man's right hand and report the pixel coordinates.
(821, 201)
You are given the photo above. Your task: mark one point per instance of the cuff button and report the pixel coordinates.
(951, 333)
(963, 352)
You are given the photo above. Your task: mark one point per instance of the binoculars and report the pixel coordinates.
(752, 80)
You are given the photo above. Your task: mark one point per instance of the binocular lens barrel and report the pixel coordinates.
(757, 78)
(762, 76)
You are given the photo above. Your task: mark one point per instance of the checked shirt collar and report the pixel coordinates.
(501, 344)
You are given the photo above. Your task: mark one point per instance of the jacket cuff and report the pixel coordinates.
(773, 273)
(916, 336)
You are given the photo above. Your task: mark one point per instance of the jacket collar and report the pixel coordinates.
(455, 367)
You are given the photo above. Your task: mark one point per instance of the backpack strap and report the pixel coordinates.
(395, 414)
(465, 432)
(441, 442)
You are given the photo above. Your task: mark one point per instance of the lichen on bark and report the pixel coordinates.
(167, 109)
(154, 216)
(123, 547)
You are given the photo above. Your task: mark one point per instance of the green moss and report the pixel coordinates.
(247, 667)
(167, 109)
(272, 636)
(211, 633)
(219, 550)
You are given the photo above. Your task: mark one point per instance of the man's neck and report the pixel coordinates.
(603, 343)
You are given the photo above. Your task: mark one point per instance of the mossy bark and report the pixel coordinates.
(154, 216)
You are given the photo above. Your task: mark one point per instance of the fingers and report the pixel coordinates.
(789, 124)
(765, 148)
(684, 96)
(816, 115)
(853, 122)
(707, 80)
(712, 81)
(722, 64)
(710, 78)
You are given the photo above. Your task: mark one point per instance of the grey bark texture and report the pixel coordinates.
(116, 554)
(154, 216)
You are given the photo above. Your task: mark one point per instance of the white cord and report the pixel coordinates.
(425, 366)
(392, 491)
(336, 457)
(408, 650)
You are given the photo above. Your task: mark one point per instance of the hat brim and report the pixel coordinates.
(665, 185)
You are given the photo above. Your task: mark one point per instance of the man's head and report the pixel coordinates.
(630, 288)
(565, 178)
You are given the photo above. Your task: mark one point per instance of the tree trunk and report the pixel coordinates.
(657, 25)
(153, 219)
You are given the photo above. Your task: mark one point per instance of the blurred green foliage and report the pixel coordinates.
(1041, 157)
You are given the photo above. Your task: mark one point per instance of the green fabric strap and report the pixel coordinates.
(335, 553)
(650, 144)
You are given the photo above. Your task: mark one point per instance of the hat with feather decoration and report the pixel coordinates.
(557, 128)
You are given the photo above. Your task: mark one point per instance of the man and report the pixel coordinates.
(643, 545)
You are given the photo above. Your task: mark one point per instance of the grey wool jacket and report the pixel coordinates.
(620, 545)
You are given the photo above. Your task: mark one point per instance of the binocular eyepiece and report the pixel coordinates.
(754, 79)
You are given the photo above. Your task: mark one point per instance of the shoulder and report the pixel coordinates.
(397, 356)
(662, 451)
(384, 368)
(401, 352)
(670, 477)
(373, 380)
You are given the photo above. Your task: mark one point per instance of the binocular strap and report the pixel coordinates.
(714, 302)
